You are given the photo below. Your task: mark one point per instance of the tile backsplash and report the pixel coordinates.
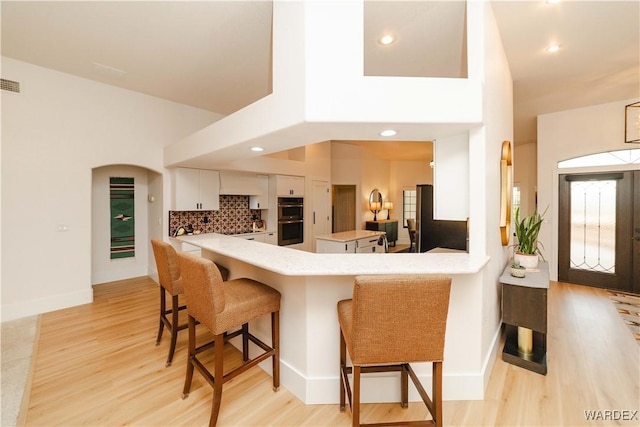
(234, 217)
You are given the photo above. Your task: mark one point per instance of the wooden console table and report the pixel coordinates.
(389, 226)
(524, 313)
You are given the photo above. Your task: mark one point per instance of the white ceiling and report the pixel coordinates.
(215, 55)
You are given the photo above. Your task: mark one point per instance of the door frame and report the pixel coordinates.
(625, 263)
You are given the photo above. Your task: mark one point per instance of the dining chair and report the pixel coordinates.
(226, 308)
(411, 228)
(392, 321)
(170, 279)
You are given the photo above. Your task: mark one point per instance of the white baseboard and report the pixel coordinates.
(44, 305)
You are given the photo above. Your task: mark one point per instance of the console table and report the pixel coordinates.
(389, 226)
(524, 313)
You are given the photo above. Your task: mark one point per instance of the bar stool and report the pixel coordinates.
(170, 281)
(394, 320)
(226, 308)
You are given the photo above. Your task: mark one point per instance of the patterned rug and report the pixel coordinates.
(628, 306)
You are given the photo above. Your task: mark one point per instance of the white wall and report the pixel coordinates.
(525, 161)
(485, 148)
(565, 135)
(451, 178)
(53, 134)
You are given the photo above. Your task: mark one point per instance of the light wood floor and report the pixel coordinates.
(98, 365)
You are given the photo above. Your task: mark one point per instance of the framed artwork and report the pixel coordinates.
(632, 123)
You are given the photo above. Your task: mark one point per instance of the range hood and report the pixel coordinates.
(241, 183)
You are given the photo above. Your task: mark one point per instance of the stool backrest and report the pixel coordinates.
(167, 264)
(203, 288)
(399, 318)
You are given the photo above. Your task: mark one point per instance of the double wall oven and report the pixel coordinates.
(290, 220)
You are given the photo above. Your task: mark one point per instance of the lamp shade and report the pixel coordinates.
(388, 205)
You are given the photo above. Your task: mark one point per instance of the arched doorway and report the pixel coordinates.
(148, 207)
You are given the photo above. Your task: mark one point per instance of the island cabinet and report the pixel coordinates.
(524, 313)
(289, 185)
(389, 226)
(196, 189)
(269, 237)
(349, 242)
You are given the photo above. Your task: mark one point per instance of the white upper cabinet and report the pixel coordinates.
(241, 183)
(196, 190)
(289, 185)
(261, 201)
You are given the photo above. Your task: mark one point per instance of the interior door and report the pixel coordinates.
(599, 230)
(344, 208)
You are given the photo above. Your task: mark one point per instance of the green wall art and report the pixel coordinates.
(123, 236)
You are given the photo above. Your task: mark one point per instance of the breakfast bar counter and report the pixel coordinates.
(292, 262)
(311, 284)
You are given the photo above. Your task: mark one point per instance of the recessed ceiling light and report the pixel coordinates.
(553, 48)
(386, 40)
(257, 149)
(388, 132)
(553, 1)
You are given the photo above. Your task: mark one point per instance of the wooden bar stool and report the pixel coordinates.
(394, 320)
(170, 282)
(226, 308)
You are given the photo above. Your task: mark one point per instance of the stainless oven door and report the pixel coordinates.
(290, 208)
(290, 232)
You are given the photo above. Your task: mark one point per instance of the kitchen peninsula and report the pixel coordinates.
(311, 284)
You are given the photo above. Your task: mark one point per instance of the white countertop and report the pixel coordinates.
(292, 262)
(348, 236)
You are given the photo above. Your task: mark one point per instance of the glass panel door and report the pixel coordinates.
(593, 225)
(595, 217)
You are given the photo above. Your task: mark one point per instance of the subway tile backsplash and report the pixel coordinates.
(234, 217)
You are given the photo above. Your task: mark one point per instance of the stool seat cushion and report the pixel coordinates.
(245, 300)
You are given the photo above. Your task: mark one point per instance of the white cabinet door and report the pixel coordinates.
(196, 190)
(334, 247)
(261, 201)
(289, 185)
(368, 245)
(187, 191)
(257, 237)
(209, 190)
(271, 238)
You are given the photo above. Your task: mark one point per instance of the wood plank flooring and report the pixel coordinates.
(98, 365)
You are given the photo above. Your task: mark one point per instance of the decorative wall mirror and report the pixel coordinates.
(506, 190)
(375, 202)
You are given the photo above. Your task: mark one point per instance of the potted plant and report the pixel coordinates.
(528, 247)
(517, 270)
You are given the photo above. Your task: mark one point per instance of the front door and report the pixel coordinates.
(599, 230)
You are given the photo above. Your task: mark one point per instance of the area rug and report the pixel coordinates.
(628, 306)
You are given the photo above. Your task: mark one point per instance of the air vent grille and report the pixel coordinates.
(10, 85)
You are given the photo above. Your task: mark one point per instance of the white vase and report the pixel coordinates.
(526, 260)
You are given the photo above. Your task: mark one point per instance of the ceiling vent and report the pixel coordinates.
(10, 85)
